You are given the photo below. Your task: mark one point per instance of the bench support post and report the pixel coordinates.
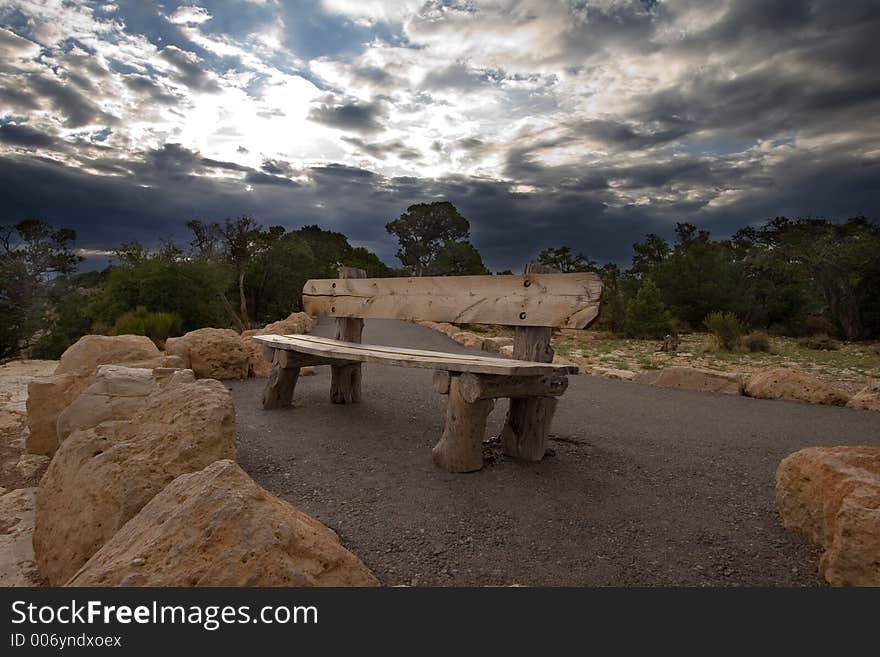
(281, 383)
(345, 380)
(528, 421)
(460, 448)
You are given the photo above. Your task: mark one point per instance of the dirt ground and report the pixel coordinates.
(642, 485)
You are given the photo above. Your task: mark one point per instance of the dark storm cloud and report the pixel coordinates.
(23, 135)
(149, 88)
(350, 115)
(189, 70)
(76, 108)
(381, 150)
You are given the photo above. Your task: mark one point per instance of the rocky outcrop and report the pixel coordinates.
(92, 350)
(868, 398)
(211, 353)
(217, 527)
(16, 528)
(831, 495)
(115, 394)
(693, 378)
(48, 396)
(294, 324)
(101, 477)
(793, 385)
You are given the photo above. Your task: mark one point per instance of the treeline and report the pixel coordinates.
(788, 277)
(234, 273)
(791, 277)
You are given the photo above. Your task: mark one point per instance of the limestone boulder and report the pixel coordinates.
(868, 398)
(693, 378)
(47, 398)
(101, 477)
(496, 344)
(611, 373)
(17, 566)
(294, 324)
(468, 339)
(212, 353)
(30, 467)
(92, 350)
(115, 394)
(217, 527)
(831, 495)
(793, 385)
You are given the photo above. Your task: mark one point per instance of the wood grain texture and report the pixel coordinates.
(460, 448)
(345, 380)
(527, 425)
(280, 387)
(437, 360)
(560, 300)
(492, 386)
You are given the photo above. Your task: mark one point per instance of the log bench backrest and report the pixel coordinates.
(533, 299)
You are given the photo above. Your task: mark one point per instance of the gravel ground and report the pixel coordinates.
(642, 486)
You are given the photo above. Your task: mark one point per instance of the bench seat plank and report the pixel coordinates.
(435, 360)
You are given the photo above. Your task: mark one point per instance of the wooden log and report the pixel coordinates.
(291, 359)
(440, 382)
(460, 448)
(345, 380)
(489, 386)
(525, 431)
(280, 385)
(533, 299)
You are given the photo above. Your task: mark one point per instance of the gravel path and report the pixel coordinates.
(644, 486)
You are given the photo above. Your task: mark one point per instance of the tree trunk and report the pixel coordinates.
(242, 299)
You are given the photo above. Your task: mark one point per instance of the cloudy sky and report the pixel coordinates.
(547, 122)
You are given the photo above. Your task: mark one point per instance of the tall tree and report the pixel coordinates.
(841, 259)
(564, 260)
(33, 256)
(424, 231)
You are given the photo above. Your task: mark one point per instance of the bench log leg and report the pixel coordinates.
(460, 448)
(280, 386)
(528, 423)
(345, 383)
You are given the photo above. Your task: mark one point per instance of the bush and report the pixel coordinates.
(818, 325)
(646, 315)
(156, 326)
(726, 328)
(756, 341)
(820, 342)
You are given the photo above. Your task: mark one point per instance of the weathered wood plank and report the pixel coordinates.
(492, 386)
(280, 386)
(460, 448)
(440, 382)
(528, 420)
(438, 360)
(564, 300)
(345, 380)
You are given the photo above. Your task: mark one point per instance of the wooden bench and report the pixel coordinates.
(533, 303)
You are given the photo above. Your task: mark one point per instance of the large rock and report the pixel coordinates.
(469, 339)
(693, 378)
(217, 527)
(92, 350)
(294, 324)
(211, 353)
(868, 398)
(48, 396)
(831, 495)
(793, 385)
(115, 394)
(101, 477)
(16, 545)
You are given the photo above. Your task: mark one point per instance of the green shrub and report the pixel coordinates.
(818, 325)
(726, 328)
(820, 342)
(647, 315)
(756, 341)
(156, 326)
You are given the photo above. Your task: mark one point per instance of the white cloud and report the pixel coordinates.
(190, 15)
